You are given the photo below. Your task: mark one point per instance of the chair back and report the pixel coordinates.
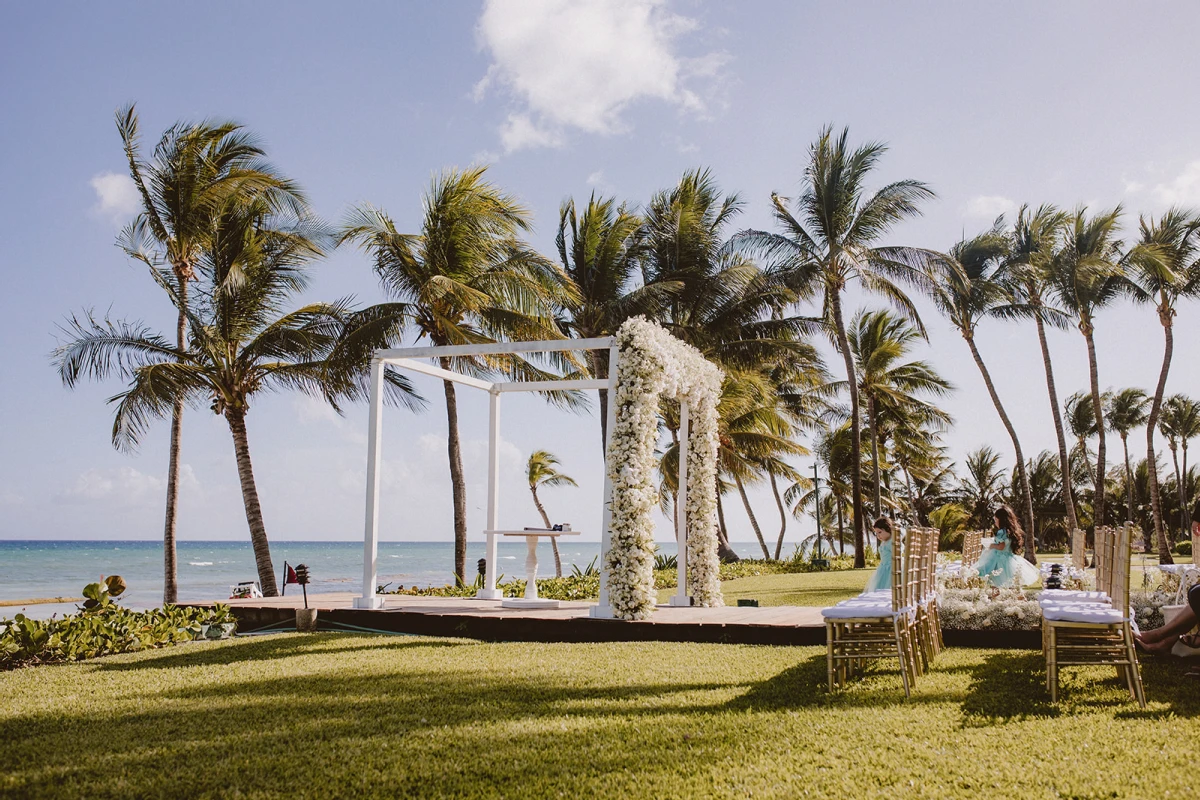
(914, 565)
(972, 547)
(1078, 549)
(932, 542)
(1105, 543)
(900, 550)
(1121, 558)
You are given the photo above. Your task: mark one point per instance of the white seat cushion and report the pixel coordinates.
(1056, 596)
(882, 594)
(847, 610)
(1097, 614)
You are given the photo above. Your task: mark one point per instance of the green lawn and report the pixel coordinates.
(798, 589)
(339, 715)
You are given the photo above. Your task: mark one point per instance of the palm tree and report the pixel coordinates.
(195, 169)
(1125, 411)
(880, 340)
(1034, 241)
(1165, 267)
(241, 344)
(1081, 420)
(601, 252)
(831, 240)
(970, 288)
(542, 470)
(465, 278)
(983, 484)
(1085, 275)
(1180, 423)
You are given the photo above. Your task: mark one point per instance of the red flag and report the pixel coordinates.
(291, 574)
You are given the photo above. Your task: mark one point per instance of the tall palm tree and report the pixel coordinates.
(983, 483)
(1085, 275)
(969, 289)
(1081, 420)
(1125, 411)
(241, 344)
(830, 239)
(880, 340)
(465, 278)
(1180, 423)
(601, 251)
(542, 470)
(1165, 267)
(1034, 241)
(195, 169)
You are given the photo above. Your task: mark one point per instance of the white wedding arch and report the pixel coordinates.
(645, 363)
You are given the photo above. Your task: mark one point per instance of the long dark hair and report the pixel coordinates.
(1006, 518)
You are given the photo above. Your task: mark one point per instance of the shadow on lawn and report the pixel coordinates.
(266, 649)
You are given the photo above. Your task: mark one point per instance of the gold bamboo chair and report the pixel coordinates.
(866, 628)
(972, 548)
(1097, 633)
(1078, 549)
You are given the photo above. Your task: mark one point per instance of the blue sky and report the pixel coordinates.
(992, 105)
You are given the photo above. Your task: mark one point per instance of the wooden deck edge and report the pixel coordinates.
(585, 629)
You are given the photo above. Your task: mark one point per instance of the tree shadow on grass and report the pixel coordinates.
(806, 686)
(1007, 685)
(267, 648)
(1166, 684)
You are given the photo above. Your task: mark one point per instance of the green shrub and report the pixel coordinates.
(1183, 548)
(101, 628)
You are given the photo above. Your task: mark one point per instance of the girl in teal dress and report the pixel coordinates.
(1000, 564)
(881, 579)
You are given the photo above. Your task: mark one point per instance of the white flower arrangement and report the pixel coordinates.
(654, 364)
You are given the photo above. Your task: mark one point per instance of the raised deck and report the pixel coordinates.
(488, 621)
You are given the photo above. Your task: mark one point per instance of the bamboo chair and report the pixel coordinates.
(1105, 541)
(972, 548)
(931, 596)
(926, 607)
(1078, 549)
(1095, 633)
(867, 628)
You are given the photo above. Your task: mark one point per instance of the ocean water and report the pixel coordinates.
(206, 570)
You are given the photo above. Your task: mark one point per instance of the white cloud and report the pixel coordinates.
(578, 64)
(116, 196)
(10, 498)
(596, 178)
(1183, 189)
(126, 486)
(989, 206)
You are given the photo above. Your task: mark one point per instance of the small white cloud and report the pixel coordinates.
(579, 64)
(312, 409)
(1183, 189)
(596, 178)
(10, 498)
(989, 206)
(116, 196)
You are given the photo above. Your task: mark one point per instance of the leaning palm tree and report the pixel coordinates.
(1125, 411)
(1034, 241)
(969, 289)
(830, 239)
(195, 169)
(465, 278)
(601, 252)
(1165, 268)
(542, 470)
(1085, 275)
(1180, 423)
(241, 344)
(880, 340)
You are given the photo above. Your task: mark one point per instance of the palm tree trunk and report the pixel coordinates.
(1186, 501)
(782, 514)
(724, 550)
(170, 568)
(1128, 479)
(1064, 461)
(835, 303)
(457, 481)
(1022, 474)
(874, 418)
(841, 530)
(600, 371)
(1160, 531)
(1179, 488)
(753, 519)
(553, 539)
(258, 531)
(1098, 410)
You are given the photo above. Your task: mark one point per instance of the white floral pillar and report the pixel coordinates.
(654, 365)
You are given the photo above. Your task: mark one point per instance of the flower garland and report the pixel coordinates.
(654, 364)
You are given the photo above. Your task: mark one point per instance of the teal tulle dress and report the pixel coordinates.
(1004, 567)
(881, 579)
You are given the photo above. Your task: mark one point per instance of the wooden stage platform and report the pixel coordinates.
(488, 621)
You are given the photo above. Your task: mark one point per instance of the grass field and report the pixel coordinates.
(339, 715)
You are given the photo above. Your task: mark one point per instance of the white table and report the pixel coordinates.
(531, 599)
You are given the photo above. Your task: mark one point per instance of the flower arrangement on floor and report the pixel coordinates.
(653, 365)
